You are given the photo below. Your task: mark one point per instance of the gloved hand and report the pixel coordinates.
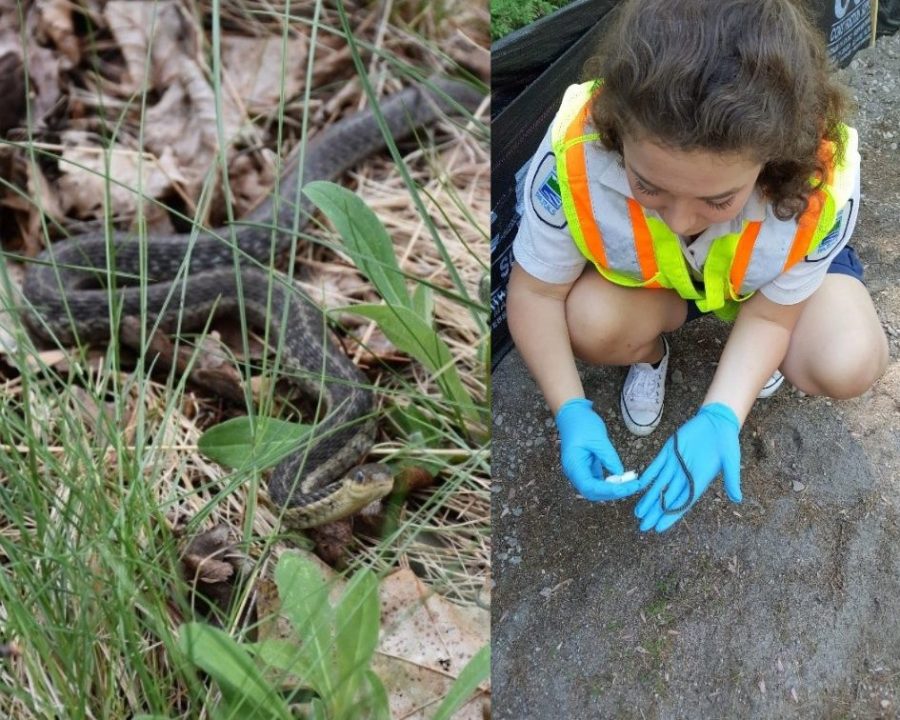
(586, 451)
(709, 445)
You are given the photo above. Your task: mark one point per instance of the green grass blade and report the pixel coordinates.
(477, 670)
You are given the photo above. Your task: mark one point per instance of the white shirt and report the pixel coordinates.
(544, 247)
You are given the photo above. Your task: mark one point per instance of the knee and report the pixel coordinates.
(595, 336)
(848, 373)
(618, 327)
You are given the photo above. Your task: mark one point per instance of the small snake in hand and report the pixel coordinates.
(189, 277)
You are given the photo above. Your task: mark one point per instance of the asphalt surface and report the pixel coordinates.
(786, 606)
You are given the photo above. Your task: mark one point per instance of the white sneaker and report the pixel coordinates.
(643, 394)
(772, 385)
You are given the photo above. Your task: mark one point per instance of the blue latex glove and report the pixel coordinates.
(709, 445)
(586, 451)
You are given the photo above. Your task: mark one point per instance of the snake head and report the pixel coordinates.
(373, 473)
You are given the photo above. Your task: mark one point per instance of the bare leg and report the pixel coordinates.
(838, 347)
(614, 325)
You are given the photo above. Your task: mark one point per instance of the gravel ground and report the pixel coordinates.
(787, 606)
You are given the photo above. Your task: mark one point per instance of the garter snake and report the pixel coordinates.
(190, 276)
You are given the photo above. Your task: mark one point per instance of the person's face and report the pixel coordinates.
(690, 190)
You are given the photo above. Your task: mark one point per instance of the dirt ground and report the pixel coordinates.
(786, 606)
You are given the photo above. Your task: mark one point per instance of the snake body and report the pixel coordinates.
(189, 277)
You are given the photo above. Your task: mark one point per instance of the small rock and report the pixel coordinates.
(677, 377)
(799, 486)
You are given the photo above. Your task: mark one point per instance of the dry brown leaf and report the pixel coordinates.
(253, 66)
(43, 71)
(55, 19)
(44, 205)
(138, 25)
(183, 122)
(426, 641)
(89, 409)
(82, 185)
(210, 564)
(252, 178)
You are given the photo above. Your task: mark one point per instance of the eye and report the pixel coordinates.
(360, 476)
(724, 205)
(644, 189)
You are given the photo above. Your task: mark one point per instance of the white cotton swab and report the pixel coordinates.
(624, 478)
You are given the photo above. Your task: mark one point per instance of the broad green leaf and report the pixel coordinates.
(423, 303)
(365, 238)
(303, 591)
(413, 336)
(234, 443)
(357, 620)
(234, 671)
(475, 671)
(282, 660)
(378, 698)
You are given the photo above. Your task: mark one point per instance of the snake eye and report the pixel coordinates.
(360, 476)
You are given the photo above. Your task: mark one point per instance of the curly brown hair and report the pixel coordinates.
(744, 76)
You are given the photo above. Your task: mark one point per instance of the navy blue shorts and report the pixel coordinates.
(846, 262)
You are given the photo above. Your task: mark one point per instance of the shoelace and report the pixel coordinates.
(690, 479)
(645, 381)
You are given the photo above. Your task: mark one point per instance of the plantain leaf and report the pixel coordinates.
(243, 686)
(364, 237)
(357, 619)
(423, 303)
(417, 338)
(303, 591)
(245, 444)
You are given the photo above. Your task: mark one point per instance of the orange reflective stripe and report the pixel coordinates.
(578, 186)
(643, 242)
(806, 226)
(742, 254)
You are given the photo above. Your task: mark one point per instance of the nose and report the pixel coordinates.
(678, 217)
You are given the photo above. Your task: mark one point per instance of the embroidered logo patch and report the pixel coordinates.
(546, 198)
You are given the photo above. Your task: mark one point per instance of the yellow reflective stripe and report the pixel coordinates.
(716, 271)
(673, 270)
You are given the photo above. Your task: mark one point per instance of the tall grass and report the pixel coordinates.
(101, 483)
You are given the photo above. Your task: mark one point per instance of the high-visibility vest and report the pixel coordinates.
(629, 248)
